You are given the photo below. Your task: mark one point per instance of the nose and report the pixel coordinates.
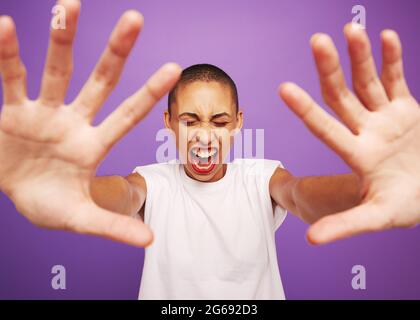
(205, 136)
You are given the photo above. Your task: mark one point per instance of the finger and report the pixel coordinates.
(361, 219)
(59, 63)
(392, 66)
(108, 70)
(333, 85)
(136, 107)
(366, 83)
(93, 220)
(12, 70)
(319, 122)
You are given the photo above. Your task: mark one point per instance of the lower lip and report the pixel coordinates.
(201, 170)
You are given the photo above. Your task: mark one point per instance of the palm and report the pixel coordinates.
(52, 154)
(378, 138)
(49, 151)
(388, 138)
(386, 159)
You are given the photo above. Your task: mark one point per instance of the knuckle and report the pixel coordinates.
(17, 75)
(61, 39)
(307, 113)
(104, 76)
(129, 116)
(56, 71)
(105, 82)
(363, 85)
(327, 130)
(151, 92)
(130, 112)
(119, 52)
(392, 75)
(335, 96)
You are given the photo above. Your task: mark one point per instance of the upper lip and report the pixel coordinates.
(196, 148)
(204, 147)
(199, 145)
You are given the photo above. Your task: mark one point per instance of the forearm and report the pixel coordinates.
(113, 193)
(311, 198)
(315, 197)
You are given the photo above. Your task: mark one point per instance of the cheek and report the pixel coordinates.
(180, 135)
(182, 145)
(226, 139)
(182, 138)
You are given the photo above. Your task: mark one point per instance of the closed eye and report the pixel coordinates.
(190, 123)
(220, 124)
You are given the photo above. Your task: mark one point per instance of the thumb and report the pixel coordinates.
(93, 220)
(361, 219)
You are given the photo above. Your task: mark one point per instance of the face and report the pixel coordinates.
(204, 119)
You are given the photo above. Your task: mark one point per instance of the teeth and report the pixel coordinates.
(202, 153)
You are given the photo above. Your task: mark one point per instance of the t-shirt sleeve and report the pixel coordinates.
(147, 173)
(279, 213)
(160, 182)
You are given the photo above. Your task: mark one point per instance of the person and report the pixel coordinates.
(213, 222)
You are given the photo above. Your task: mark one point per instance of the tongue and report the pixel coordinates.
(204, 166)
(204, 162)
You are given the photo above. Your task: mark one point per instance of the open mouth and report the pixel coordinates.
(203, 160)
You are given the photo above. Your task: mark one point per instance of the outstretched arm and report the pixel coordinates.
(378, 136)
(124, 195)
(49, 150)
(311, 198)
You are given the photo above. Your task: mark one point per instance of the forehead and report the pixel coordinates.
(204, 98)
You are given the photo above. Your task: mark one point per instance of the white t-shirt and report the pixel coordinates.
(212, 240)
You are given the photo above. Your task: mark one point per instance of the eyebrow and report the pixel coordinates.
(194, 115)
(219, 115)
(190, 114)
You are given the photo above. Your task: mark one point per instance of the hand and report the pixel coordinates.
(379, 137)
(49, 151)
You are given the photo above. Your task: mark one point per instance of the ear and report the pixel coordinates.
(239, 119)
(167, 120)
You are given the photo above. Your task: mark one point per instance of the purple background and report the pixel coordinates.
(260, 44)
